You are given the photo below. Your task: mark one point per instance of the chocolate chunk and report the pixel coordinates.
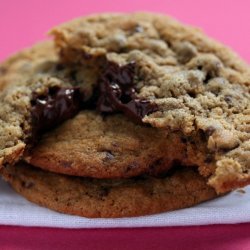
(54, 107)
(228, 99)
(117, 93)
(209, 76)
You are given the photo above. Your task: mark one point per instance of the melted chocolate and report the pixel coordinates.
(117, 93)
(53, 107)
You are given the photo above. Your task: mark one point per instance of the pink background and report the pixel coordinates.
(23, 22)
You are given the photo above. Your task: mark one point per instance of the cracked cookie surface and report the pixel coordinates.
(34, 71)
(200, 86)
(89, 144)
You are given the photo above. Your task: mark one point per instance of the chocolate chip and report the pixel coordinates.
(192, 94)
(117, 93)
(54, 107)
(208, 78)
(228, 99)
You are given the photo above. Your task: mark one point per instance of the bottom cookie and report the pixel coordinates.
(109, 198)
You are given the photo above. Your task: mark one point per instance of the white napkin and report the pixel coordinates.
(232, 208)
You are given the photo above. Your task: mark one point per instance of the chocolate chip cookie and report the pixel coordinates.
(90, 197)
(192, 84)
(99, 146)
(37, 94)
(176, 96)
(95, 145)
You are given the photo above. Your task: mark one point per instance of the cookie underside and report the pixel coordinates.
(109, 198)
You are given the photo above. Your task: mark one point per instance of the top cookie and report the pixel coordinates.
(200, 86)
(148, 67)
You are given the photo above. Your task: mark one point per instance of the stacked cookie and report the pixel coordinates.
(124, 115)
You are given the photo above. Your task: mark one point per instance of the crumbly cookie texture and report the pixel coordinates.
(97, 146)
(201, 86)
(109, 198)
(30, 71)
(15, 98)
